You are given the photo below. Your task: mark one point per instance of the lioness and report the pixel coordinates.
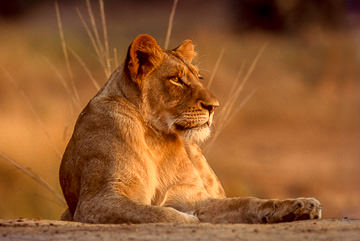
(134, 158)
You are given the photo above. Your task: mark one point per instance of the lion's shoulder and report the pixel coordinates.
(106, 112)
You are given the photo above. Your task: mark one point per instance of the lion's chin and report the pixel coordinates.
(197, 134)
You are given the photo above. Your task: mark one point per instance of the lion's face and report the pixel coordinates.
(178, 100)
(174, 99)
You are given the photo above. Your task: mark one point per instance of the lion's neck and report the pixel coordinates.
(119, 85)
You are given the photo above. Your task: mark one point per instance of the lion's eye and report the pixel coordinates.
(174, 78)
(176, 81)
(200, 76)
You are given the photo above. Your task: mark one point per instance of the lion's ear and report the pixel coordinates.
(144, 55)
(186, 50)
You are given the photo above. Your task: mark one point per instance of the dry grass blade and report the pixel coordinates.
(66, 56)
(106, 41)
(225, 115)
(217, 64)
(86, 69)
(63, 83)
(252, 67)
(116, 61)
(94, 26)
(234, 96)
(32, 109)
(62, 38)
(92, 40)
(225, 121)
(97, 36)
(40, 195)
(34, 176)
(235, 82)
(241, 105)
(171, 21)
(70, 95)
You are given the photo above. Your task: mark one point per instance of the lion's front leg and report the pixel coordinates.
(109, 206)
(255, 210)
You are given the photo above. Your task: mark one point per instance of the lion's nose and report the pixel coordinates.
(209, 105)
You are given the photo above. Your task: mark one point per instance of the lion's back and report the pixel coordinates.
(103, 124)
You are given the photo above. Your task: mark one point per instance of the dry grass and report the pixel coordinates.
(65, 85)
(34, 176)
(66, 56)
(216, 67)
(101, 46)
(230, 108)
(86, 69)
(104, 58)
(170, 24)
(106, 41)
(32, 109)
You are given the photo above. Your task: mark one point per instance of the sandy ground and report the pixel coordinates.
(26, 229)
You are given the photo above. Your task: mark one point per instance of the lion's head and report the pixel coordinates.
(173, 99)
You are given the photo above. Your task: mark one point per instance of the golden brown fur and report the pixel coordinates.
(134, 158)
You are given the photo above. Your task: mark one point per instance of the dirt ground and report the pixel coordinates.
(327, 229)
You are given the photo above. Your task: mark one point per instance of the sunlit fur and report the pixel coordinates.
(198, 134)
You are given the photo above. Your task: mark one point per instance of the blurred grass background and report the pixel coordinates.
(299, 134)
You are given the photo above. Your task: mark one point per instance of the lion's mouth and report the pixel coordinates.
(197, 133)
(200, 121)
(184, 128)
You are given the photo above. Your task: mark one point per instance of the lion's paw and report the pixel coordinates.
(294, 209)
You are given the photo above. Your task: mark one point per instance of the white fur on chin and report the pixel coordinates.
(198, 134)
